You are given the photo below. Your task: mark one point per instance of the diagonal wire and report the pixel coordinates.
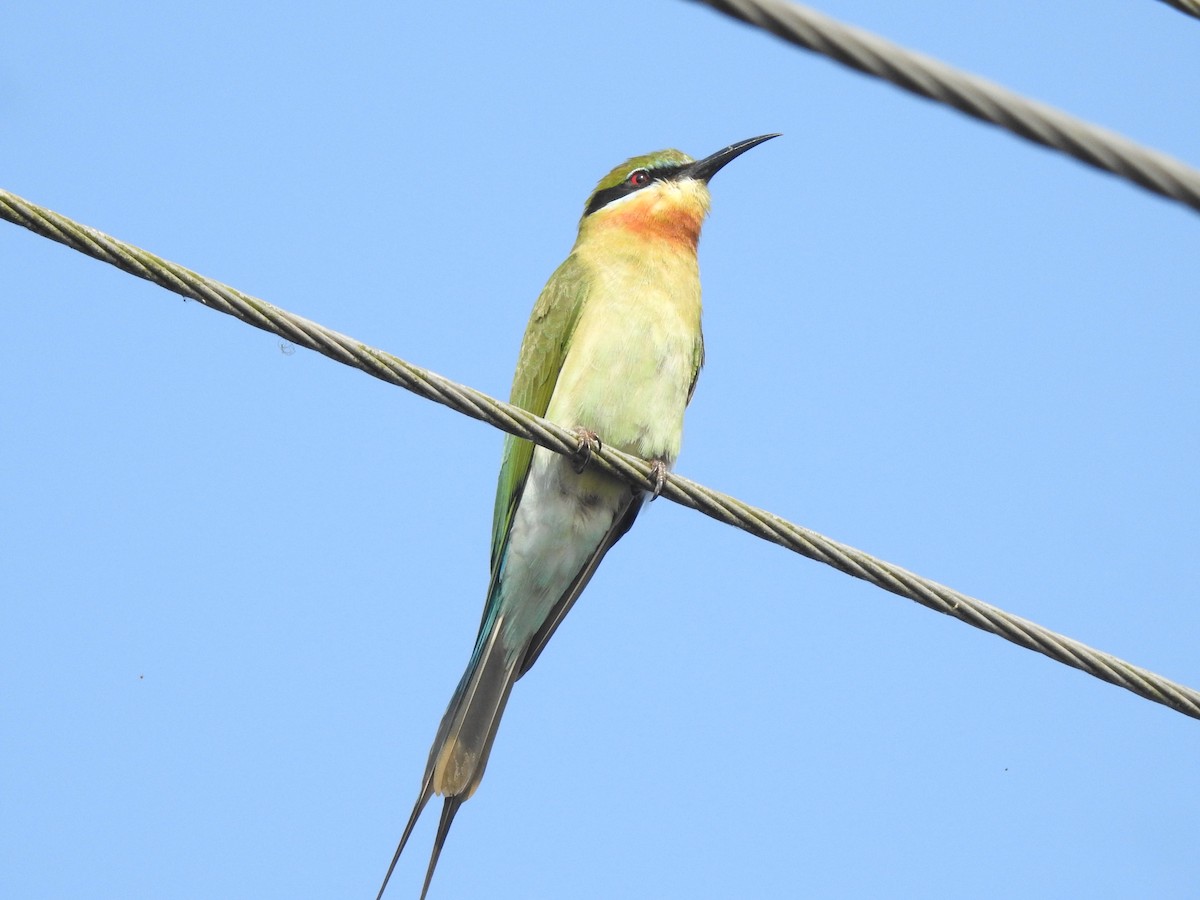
(971, 94)
(514, 420)
(1191, 7)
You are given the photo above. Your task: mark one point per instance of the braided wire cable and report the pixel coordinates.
(1191, 7)
(514, 420)
(970, 94)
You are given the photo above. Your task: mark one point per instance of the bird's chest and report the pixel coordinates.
(633, 356)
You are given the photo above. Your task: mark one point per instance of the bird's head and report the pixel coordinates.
(661, 195)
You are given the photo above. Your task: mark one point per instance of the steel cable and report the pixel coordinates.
(514, 420)
(1191, 7)
(970, 94)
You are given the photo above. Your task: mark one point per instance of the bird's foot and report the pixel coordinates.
(589, 443)
(658, 474)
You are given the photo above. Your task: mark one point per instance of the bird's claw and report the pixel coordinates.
(589, 443)
(658, 474)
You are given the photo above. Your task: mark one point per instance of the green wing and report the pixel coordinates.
(542, 352)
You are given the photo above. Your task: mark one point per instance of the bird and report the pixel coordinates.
(612, 352)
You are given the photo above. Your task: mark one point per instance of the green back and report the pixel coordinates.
(542, 352)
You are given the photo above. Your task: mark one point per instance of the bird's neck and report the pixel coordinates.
(680, 230)
(670, 218)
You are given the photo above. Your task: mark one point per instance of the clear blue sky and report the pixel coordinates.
(237, 586)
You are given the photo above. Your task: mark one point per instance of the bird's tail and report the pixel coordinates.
(464, 739)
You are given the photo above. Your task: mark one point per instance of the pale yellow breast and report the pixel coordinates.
(633, 354)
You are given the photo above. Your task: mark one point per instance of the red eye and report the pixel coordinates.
(639, 178)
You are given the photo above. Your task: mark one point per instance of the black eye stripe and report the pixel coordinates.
(601, 199)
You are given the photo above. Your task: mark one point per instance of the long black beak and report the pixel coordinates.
(704, 169)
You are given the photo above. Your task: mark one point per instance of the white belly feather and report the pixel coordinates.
(626, 377)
